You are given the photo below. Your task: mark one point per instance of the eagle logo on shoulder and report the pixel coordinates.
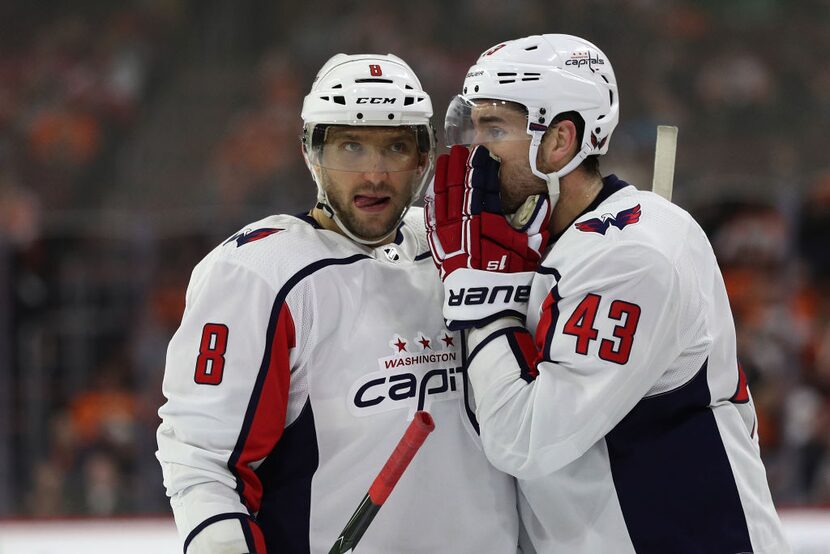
(601, 224)
(248, 235)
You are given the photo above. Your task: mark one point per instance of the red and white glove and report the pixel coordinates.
(486, 264)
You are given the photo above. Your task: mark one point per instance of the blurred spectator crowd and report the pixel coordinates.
(92, 302)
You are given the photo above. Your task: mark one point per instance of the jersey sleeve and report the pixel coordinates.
(226, 383)
(608, 330)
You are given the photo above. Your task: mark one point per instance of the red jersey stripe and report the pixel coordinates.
(269, 418)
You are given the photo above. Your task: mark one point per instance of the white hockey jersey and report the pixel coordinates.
(638, 434)
(300, 360)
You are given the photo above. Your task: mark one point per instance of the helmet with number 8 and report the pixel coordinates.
(366, 90)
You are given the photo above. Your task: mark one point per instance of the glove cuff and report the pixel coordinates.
(473, 297)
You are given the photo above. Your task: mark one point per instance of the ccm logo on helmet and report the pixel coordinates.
(374, 100)
(475, 296)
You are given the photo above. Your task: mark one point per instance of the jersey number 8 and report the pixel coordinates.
(211, 361)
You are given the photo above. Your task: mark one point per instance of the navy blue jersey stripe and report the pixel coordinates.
(547, 347)
(548, 271)
(213, 519)
(459, 324)
(398, 234)
(249, 537)
(286, 474)
(611, 184)
(554, 310)
(673, 478)
(526, 372)
(266, 358)
(465, 362)
(423, 256)
(490, 338)
(308, 219)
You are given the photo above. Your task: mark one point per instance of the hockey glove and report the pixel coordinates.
(486, 263)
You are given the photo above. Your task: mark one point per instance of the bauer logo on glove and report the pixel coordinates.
(483, 258)
(475, 296)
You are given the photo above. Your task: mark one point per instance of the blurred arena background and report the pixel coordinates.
(136, 135)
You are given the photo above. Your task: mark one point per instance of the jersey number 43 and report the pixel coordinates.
(581, 325)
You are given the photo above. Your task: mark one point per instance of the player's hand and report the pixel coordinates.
(485, 263)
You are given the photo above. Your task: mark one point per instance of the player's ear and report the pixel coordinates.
(559, 145)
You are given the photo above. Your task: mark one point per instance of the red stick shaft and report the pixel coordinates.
(421, 426)
(414, 436)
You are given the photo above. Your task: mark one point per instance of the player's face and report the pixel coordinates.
(501, 128)
(368, 174)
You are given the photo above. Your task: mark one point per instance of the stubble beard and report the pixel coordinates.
(522, 183)
(368, 227)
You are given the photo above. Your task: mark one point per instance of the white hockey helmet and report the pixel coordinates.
(549, 75)
(366, 90)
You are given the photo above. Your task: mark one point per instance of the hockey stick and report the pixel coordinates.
(664, 153)
(412, 439)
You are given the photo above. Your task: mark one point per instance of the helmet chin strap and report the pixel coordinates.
(552, 178)
(368, 242)
(325, 206)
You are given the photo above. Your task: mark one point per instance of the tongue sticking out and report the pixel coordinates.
(370, 201)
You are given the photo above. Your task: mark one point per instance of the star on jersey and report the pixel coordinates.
(401, 344)
(248, 235)
(600, 224)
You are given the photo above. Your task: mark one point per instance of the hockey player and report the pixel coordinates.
(605, 377)
(309, 342)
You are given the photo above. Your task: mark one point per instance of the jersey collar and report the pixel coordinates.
(611, 184)
(399, 236)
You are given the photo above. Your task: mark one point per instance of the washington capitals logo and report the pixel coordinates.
(601, 224)
(250, 236)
